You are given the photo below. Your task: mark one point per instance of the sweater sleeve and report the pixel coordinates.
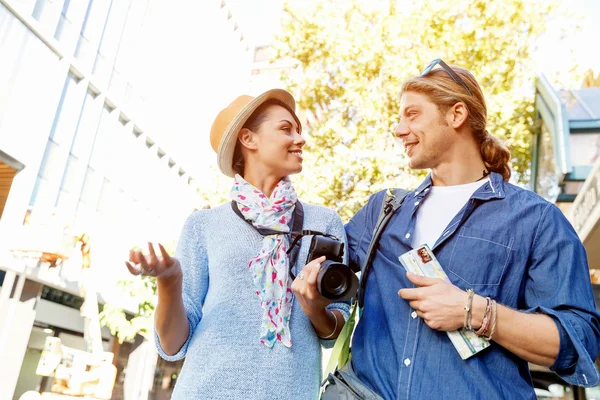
(336, 228)
(191, 253)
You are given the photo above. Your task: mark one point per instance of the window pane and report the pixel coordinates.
(53, 163)
(585, 148)
(100, 151)
(91, 188)
(91, 33)
(547, 179)
(74, 175)
(69, 25)
(111, 38)
(88, 126)
(47, 12)
(67, 115)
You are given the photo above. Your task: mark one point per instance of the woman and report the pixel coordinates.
(226, 300)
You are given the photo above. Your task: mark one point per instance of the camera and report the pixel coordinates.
(336, 281)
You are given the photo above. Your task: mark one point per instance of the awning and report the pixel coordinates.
(9, 167)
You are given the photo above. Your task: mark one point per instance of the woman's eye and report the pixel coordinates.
(287, 129)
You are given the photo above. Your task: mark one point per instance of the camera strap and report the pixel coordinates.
(296, 232)
(392, 201)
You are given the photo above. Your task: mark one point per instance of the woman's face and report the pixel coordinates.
(276, 144)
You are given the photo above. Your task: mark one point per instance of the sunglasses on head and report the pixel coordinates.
(455, 77)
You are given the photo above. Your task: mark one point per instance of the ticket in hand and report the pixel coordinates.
(421, 261)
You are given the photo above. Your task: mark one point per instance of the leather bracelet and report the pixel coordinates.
(485, 322)
(334, 329)
(494, 319)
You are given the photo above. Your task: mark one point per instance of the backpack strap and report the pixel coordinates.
(341, 349)
(392, 201)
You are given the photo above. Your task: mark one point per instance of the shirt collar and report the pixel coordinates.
(493, 189)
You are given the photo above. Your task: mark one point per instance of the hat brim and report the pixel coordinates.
(230, 137)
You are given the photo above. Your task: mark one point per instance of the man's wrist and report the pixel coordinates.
(478, 311)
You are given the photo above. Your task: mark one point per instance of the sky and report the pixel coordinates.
(198, 91)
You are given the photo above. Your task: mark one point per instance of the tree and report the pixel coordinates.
(591, 79)
(353, 57)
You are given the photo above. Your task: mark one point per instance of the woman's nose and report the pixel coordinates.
(299, 140)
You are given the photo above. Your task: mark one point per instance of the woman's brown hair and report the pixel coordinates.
(442, 90)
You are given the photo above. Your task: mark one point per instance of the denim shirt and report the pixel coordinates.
(506, 243)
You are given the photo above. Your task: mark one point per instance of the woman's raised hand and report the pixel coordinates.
(164, 267)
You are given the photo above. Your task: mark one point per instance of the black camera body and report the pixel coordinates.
(336, 281)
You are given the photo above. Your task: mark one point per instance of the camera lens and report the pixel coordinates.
(336, 281)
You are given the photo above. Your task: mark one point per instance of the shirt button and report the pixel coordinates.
(407, 362)
(416, 203)
(407, 236)
(427, 190)
(413, 314)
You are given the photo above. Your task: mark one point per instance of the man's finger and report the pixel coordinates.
(422, 280)
(415, 305)
(411, 294)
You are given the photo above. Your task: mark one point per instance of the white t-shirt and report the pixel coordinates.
(438, 208)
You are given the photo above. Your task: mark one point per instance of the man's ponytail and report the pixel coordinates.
(495, 154)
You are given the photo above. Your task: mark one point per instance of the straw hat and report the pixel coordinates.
(225, 129)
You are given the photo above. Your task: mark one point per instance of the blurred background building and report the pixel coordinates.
(566, 159)
(87, 90)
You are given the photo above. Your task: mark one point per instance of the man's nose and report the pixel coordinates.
(401, 130)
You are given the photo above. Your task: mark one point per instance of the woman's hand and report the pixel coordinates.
(327, 323)
(165, 268)
(305, 289)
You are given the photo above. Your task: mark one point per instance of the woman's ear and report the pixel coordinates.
(246, 138)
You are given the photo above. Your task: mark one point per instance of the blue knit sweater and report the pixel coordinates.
(224, 357)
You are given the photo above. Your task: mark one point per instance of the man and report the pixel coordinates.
(505, 244)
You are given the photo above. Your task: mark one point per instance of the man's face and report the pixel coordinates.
(423, 130)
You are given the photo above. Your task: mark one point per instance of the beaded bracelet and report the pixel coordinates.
(494, 319)
(468, 306)
(485, 323)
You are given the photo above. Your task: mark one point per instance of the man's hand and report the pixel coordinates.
(439, 303)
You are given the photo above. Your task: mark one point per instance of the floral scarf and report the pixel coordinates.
(270, 267)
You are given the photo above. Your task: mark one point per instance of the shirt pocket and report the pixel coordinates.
(480, 257)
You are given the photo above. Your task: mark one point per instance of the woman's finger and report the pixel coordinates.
(153, 259)
(165, 256)
(313, 273)
(133, 270)
(144, 264)
(133, 256)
